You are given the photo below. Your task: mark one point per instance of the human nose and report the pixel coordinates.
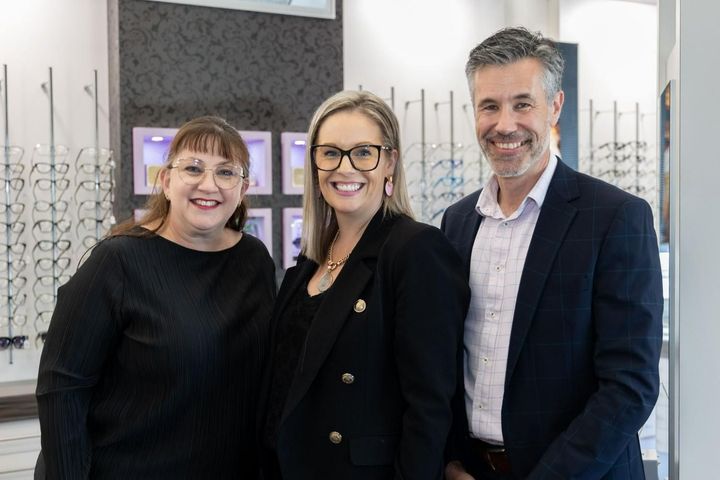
(506, 122)
(207, 182)
(348, 165)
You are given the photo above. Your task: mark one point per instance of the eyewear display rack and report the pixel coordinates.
(440, 173)
(617, 151)
(61, 225)
(13, 281)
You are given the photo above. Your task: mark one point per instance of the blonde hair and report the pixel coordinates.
(208, 134)
(319, 221)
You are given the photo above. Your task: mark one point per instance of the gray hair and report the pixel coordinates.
(513, 44)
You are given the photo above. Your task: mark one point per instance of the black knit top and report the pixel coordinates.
(152, 362)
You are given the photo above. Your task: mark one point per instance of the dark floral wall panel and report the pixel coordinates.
(170, 63)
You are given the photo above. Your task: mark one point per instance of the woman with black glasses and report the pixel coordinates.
(152, 362)
(367, 326)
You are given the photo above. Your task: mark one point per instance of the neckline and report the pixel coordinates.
(183, 247)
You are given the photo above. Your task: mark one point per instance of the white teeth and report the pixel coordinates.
(348, 187)
(206, 203)
(509, 145)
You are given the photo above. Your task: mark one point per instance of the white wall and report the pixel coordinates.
(695, 66)
(617, 56)
(413, 45)
(71, 37)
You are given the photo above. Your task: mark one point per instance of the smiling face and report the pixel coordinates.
(513, 117)
(200, 211)
(355, 196)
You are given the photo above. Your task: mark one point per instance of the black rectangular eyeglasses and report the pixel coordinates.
(363, 158)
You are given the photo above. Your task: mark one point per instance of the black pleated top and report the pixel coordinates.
(152, 362)
(290, 337)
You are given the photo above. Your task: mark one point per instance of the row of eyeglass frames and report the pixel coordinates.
(628, 164)
(52, 213)
(440, 174)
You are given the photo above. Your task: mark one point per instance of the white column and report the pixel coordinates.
(693, 63)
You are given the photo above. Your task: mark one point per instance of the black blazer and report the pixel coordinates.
(582, 372)
(400, 347)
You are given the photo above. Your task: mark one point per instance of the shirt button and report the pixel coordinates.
(492, 314)
(335, 437)
(498, 268)
(505, 224)
(480, 406)
(348, 378)
(485, 360)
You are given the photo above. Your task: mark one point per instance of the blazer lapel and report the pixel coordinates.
(471, 226)
(336, 307)
(464, 228)
(555, 218)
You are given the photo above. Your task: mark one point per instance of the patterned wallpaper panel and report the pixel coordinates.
(171, 63)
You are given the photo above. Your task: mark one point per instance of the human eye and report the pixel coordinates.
(487, 108)
(226, 171)
(191, 167)
(329, 152)
(363, 151)
(523, 106)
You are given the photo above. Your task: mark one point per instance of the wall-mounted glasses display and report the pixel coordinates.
(259, 145)
(293, 162)
(259, 225)
(292, 235)
(150, 147)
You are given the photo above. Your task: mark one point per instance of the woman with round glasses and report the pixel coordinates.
(152, 363)
(367, 326)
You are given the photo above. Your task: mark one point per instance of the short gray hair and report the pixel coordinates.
(513, 44)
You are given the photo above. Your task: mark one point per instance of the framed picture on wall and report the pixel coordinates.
(664, 152)
(292, 235)
(259, 225)
(150, 147)
(260, 147)
(303, 8)
(293, 162)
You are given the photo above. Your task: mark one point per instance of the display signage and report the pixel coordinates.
(303, 8)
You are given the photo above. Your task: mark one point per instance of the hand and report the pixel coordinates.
(455, 471)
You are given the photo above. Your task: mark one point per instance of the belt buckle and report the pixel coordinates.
(490, 456)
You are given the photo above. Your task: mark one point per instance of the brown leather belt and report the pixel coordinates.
(494, 456)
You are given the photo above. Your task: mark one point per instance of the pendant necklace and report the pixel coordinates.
(327, 279)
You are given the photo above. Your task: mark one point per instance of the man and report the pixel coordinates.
(563, 335)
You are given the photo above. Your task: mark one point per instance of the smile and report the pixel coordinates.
(509, 146)
(205, 203)
(348, 187)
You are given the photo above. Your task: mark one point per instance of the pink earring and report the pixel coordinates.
(389, 186)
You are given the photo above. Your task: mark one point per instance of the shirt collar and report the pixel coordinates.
(487, 205)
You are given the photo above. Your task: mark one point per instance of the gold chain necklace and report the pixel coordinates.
(326, 280)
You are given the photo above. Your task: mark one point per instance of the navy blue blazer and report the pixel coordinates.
(393, 320)
(582, 372)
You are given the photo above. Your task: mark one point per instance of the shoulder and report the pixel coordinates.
(251, 250)
(116, 246)
(465, 204)
(596, 193)
(254, 245)
(410, 238)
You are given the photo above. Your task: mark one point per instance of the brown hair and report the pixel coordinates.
(208, 134)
